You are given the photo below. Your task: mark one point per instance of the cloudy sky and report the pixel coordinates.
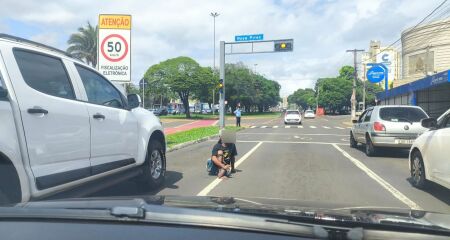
(161, 29)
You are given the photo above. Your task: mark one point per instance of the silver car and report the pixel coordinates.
(387, 126)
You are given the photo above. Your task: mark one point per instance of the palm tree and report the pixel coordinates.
(83, 44)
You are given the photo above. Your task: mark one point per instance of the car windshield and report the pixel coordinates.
(297, 104)
(402, 114)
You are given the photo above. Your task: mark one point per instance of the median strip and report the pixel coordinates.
(194, 135)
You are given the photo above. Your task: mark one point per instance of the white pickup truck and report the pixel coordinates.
(62, 124)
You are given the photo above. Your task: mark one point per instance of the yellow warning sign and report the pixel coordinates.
(111, 21)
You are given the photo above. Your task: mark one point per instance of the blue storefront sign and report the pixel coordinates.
(376, 74)
(424, 83)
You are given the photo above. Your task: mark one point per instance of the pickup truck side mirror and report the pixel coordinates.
(134, 101)
(3, 93)
(430, 123)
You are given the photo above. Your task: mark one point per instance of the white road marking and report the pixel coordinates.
(349, 127)
(339, 128)
(305, 134)
(300, 126)
(312, 126)
(216, 181)
(215, 123)
(275, 126)
(296, 137)
(245, 200)
(287, 126)
(263, 126)
(290, 142)
(326, 127)
(252, 126)
(396, 193)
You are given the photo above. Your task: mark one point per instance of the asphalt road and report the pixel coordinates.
(312, 162)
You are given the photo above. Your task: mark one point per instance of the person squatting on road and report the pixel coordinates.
(222, 160)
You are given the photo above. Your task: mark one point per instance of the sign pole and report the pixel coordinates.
(222, 94)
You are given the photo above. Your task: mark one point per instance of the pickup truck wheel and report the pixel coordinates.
(154, 168)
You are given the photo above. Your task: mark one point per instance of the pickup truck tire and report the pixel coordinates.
(154, 168)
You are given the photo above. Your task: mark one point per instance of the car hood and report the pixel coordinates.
(261, 206)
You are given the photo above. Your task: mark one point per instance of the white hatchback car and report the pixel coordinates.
(292, 116)
(309, 114)
(429, 154)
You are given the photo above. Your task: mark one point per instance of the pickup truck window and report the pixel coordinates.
(45, 74)
(99, 90)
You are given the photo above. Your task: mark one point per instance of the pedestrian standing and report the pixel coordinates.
(237, 113)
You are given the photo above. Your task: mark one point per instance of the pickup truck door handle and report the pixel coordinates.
(37, 110)
(99, 116)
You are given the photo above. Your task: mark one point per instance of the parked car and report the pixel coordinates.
(429, 154)
(206, 111)
(292, 116)
(309, 114)
(63, 124)
(161, 112)
(387, 126)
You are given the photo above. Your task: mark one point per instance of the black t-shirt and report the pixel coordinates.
(229, 151)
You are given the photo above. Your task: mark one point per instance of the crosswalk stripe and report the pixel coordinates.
(253, 127)
(326, 127)
(349, 127)
(287, 126)
(312, 126)
(339, 128)
(263, 126)
(300, 126)
(275, 126)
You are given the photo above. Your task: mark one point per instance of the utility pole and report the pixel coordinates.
(364, 87)
(353, 99)
(214, 15)
(222, 94)
(317, 99)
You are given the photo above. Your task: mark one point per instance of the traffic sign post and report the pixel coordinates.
(114, 48)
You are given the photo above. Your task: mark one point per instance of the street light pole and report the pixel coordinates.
(214, 15)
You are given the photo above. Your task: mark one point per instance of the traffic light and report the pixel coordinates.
(284, 45)
(220, 85)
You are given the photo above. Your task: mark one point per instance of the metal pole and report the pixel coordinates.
(364, 87)
(317, 99)
(222, 94)
(214, 15)
(143, 93)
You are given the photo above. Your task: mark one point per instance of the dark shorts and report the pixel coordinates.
(212, 169)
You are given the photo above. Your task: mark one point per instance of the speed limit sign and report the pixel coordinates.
(114, 60)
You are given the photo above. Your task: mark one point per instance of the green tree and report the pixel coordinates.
(303, 98)
(83, 44)
(182, 75)
(210, 82)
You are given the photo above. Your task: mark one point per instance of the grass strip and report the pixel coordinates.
(194, 134)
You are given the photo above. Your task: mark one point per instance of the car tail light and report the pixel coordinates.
(377, 126)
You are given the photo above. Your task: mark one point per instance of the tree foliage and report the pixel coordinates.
(83, 44)
(334, 93)
(252, 91)
(181, 75)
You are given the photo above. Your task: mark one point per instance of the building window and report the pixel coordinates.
(420, 63)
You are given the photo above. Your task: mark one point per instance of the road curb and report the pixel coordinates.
(186, 144)
(183, 145)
